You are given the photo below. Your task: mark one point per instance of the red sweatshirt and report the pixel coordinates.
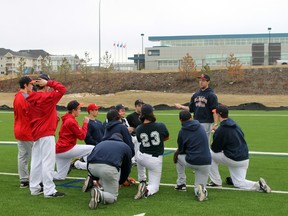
(22, 128)
(69, 132)
(42, 110)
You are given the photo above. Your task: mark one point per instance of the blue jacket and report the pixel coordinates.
(202, 103)
(229, 138)
(113, 152)
(95, 132)
(192, 141)
(115, 126)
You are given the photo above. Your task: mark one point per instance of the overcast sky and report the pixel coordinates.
(72, 26)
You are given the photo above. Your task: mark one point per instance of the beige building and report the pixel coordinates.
(10, 61)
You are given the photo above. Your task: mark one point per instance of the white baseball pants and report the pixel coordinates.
(63, 160)
(237, 169)
(42, 166)
(154, 166)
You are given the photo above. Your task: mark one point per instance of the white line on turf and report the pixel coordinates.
(169, 185)
(174, 149)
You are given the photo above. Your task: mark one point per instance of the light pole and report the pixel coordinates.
(269, 60)
(99, 35)
(142, 35)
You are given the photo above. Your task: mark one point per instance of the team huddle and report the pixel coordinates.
(112, 147)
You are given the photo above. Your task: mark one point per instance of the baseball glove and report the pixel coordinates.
(129, 182)
(175, 158)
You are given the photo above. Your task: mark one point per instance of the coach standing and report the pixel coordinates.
(203, 104)
(44, 119)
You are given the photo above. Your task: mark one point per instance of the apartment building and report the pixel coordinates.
(10, 60)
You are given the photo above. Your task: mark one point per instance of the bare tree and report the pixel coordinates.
(64, 68)
(84, 65)
(21, 66)
(107, 61)
(235, 72)
(188, 68)
(46, 65)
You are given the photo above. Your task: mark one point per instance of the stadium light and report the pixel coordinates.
(142, 35)
(99, 35)
(269, 29)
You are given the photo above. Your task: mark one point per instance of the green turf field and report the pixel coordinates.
(264, 132)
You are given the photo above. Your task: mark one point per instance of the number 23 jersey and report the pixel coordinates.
(152, 136)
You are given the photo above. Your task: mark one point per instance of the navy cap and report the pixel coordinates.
(204, 77)
(146, 109)
(119, 107)
(44, 76)
(222, 110)
(139, 101)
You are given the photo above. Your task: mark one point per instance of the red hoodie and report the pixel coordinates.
(22, 128)
(69, 132)
(42, 110)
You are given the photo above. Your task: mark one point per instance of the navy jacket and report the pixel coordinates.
(202, 103)
(95, 132)
(113, 152)
(192, 141)
(115, 126)
(229, 138)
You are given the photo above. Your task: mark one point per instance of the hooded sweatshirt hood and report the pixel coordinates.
(190, 125)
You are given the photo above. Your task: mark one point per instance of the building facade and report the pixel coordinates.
(32, 61)
(213, 50)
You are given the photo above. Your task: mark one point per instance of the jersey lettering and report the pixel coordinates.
(154, 137)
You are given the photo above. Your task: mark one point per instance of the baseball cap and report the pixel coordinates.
(146, 109)
(222, 110)
(138, 101)
(92, 107)
(184, 115)
(25, 80)
(44, 76)
(204, 77)
(119, 107)
(74, 105)
(112, 115)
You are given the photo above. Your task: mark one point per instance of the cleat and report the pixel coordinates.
(142, 190)
(24, 184)
(72, 164)
(181, 187)
(88, 184)
(56, 194)
(229, 181)
(95, 198)
(212, 184)
(264, 186)
(201, 195)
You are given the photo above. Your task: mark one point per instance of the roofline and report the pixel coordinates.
(228, 36)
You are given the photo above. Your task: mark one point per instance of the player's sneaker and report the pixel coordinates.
(88, 184)
(24, 184)
(201, 194)
(229, 180)
(181, 187)
(95, 198)
(141, 191)
(212, 184)
(56, 194)
(264, 186)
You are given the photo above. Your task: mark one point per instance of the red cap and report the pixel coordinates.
(92, 107)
